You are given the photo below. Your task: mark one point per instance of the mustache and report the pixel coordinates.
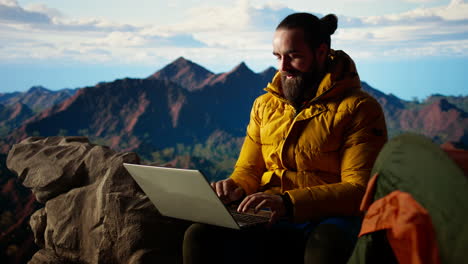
(296, 73)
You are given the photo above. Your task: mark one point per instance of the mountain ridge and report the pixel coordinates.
(190, 103)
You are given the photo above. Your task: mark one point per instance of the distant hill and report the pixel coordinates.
(37, 98)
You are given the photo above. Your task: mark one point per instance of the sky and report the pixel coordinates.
(409, 48)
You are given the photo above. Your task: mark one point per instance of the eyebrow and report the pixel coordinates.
(287, 52)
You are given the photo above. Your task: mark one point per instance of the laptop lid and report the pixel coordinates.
(182, 193)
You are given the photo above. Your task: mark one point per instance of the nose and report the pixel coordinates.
(284, 63)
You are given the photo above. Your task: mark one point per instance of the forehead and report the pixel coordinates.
(289, 39)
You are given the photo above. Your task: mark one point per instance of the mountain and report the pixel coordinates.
(127, 110)
(391, 105)
(459, 101)
(185, 73)
(440, 120)
(224, 102)
(37, 98)
(184, 103)
(132, 113)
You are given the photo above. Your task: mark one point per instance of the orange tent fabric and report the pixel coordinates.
(409, 226)
(459, 156)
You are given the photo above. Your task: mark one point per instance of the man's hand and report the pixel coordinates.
(262, 200)
(227, 190)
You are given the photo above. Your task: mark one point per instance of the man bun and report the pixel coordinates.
(316, 31)
(329, 24)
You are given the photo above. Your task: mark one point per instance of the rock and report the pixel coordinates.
(94, 211)
(46, 257)
(38, 223)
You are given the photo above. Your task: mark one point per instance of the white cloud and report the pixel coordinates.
(10, 11)
(234, 33)
(43, 9)
(9, 3)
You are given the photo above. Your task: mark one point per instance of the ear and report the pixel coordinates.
(321, 53)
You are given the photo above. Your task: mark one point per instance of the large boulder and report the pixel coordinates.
(94, 211)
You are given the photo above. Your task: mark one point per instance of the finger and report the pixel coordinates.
(273, 219)
(244, 205)
(261, 205)
(226, 188)
(219, 189)
(251, 201)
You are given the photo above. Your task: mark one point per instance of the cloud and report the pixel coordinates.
(234, 33)
(267, 17)
(437, 31)
(43, 9)
(10, 11)
(44, 18)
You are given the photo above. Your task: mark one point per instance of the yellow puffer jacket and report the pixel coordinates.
(321, 156)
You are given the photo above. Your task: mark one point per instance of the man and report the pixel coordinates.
(310, 146)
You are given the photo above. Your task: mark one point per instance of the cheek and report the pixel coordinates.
(303, 66)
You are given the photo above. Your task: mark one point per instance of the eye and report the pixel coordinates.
(296, 56)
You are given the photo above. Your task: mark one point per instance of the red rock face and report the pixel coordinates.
(439, 120)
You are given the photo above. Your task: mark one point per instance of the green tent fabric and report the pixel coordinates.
(412, 163)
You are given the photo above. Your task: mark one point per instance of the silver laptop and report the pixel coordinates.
(186, 194)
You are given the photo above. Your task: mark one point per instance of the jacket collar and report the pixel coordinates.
(340, 77)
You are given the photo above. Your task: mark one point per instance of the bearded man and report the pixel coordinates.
(310, 146)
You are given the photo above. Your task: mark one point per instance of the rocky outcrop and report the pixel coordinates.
(94, 212)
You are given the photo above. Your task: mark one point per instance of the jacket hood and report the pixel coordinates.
(341, 76)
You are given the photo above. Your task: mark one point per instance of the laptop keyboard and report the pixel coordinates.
(248, 219)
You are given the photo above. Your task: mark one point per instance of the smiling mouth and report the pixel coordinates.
(289, 75)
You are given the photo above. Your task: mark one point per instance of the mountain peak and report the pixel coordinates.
(184, 72)
(182, 61)
(241, 71)
(38, 88)
(241, 68)
(269, 70)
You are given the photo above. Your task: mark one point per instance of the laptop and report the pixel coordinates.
(186, 194)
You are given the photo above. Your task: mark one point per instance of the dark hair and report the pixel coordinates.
(316, 31)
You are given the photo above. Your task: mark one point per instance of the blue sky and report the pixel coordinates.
(410, 48)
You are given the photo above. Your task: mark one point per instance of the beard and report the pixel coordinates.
(300, 88)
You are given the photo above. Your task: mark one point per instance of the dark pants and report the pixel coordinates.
(328, 241)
